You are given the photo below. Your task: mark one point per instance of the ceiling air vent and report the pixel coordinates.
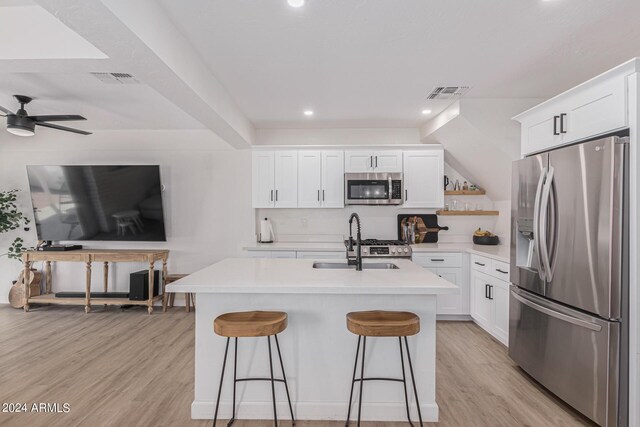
(448, 92)
(116, 78)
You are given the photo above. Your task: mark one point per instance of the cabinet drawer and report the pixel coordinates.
(500, 270)
(436, 259)
(480, 263)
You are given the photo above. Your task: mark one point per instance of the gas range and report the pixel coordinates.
(374, 248)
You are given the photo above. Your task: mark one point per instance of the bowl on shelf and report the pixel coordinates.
(486, 240)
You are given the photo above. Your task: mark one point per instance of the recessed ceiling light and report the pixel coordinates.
(308, 113)
(425, 112)
(296, 3)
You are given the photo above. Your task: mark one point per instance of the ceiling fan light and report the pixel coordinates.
(20, 131)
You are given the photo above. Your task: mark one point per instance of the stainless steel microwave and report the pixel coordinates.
(373, 189)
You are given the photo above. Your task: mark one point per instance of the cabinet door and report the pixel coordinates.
(263, 179)
(332, 179)
(423, 179)
(500, 301)
(481, 306)
(321, 255)
(596, 110)
(453, 304)
(286, 179)
(387, 161)
(283, 254)
(309, 179)
(358, 161)
(538, 134)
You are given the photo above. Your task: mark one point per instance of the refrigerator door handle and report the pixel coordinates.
(536, 224)
(544, 224)
(557, 315)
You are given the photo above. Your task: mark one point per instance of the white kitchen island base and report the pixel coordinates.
(317, 349)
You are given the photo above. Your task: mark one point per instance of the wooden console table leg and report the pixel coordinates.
(48, 278)
(27, 288)
(164, 284)
(150, 300)
(87, 297)
(106, 276)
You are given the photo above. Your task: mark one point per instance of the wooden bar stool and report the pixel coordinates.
(169, 300)
(251, 324)
(399, 324)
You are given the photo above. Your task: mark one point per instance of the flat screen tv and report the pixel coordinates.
(107, 203)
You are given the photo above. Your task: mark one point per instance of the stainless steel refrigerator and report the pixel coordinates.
(569, 269)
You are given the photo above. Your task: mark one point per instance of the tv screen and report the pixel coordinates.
(122, 203)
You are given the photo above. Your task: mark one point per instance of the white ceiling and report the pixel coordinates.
(361, 63)
(105, 106)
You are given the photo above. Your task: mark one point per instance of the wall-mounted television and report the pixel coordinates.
(100, 203)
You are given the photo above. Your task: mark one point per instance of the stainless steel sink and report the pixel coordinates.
(365, 266)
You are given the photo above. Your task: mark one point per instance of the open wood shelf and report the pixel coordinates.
(468, 213)
(465, 193)
(52, 299)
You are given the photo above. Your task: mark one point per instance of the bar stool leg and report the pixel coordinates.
(353, 382)
(364, 348)
(413, 380)
(404, 382)
(273, 386)
(284, 377)
(224, 365)
(235, 380)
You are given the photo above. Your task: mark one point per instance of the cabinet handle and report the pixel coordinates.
(555, 125)
(490, 292)
(376, 161)
(486, 291)
(406, 195)
(272, 195)
(501, 271)
(276, 195)
(562, 117)
(371, 160)
(323, 195)
(437, 259)
(479, 263)
(318, 195)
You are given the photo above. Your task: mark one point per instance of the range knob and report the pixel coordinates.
(406, 250)
(365, 250)
(393, 251)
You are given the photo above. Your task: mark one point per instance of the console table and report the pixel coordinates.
(88, 256)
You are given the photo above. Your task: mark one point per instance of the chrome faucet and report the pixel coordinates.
(358, 261)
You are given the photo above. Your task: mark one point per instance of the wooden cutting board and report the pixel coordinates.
(427, 226)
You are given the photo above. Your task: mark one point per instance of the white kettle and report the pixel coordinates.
(266, 231)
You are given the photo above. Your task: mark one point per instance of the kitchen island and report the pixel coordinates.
(317, 349)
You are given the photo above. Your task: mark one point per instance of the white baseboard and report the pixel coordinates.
(454, 317)
(203, 410)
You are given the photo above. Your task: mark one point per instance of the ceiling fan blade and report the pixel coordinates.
(64, 128)
(56, 118)
(5, 110)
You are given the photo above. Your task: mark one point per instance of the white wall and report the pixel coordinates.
(207, 199)
(370, 136)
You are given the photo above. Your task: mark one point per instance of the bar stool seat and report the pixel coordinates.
(383, 323)
(397, 324)
(250, 324)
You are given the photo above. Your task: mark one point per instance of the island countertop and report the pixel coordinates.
(297, 276)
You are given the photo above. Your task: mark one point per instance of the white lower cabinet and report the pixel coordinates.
(451, 267)
(321, 255)
(490, 298)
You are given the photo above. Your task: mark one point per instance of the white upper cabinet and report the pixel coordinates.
(309, 179)
(373, 161)
(333, 179)
(423, 178)
(320, 179)
(594, 108)
(263, 165)
(286, 179)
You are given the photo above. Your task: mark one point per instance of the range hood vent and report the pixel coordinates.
(448, 92)
(116, 78)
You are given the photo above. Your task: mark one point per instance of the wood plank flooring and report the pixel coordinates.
(126, 368)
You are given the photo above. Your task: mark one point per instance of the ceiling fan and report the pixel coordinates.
(21, 124)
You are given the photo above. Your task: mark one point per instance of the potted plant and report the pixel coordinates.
(11, 219)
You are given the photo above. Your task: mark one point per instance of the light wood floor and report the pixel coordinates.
(126, 368)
